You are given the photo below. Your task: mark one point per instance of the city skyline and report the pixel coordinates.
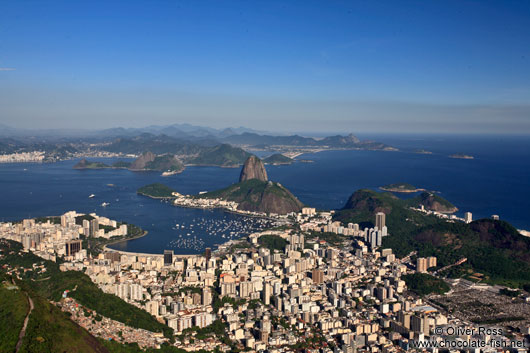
(456, 67)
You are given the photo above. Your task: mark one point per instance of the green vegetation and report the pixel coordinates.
(53, 220)
(272, 242)
(50, 330)
(278, 158)
(493, 248)
(13, 309)
(53, 282)
(424, 284)
(85, 164)
(156, 190)
(79, 219)
(332, 238)
(431, 202)
(217, 328)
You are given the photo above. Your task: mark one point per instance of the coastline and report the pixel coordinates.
(131, 253)
(404, 191)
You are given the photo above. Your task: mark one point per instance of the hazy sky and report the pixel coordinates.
(359, 66)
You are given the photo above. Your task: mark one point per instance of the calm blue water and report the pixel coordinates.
(495, 182)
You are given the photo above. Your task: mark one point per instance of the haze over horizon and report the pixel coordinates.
(407, 67)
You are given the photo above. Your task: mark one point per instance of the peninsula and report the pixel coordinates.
(401, 187)
(278, 159)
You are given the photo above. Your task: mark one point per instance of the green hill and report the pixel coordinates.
(13, 309)
(156, 190)
(121, 164)
(221, 155)
(278, 158)
(432, 202)
(259, 196)
(493, 248)
(85, 164)
(424, 284)
(52, 283)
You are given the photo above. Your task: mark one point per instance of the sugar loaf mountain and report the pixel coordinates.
(254, 192)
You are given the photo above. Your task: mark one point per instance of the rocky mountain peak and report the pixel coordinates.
(253, 169)
(142, 161)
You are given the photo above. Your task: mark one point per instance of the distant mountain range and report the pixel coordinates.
(183, 131)
(191, 144)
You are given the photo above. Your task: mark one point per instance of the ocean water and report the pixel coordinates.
(495, 182)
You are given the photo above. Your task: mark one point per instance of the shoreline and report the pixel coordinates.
(106, 248)
(239, 213)
(404, 191)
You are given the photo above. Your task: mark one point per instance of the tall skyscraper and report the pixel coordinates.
(468, 217)
(208, 254)
(168, 257)
(380, 220)
(318, 276)
(94, 227)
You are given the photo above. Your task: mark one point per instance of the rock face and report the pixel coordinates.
(142, 161)
(253, 169)
(82, 164)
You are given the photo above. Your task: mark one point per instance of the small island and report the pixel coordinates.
(461, 156)
(422, 151)
(167, 163)
(401, 187)
(278, 159)
(85, 164)
(156, 191)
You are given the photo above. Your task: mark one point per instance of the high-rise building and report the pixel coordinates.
(421, 264)
(318, 276)
(168, 257)
(308, 211)
(94, 227)
(73, 247)
(267, 292)
(206, 296)
(468, 217)
(380, 220)
(431, 261)
(495, 217)
(208, 254)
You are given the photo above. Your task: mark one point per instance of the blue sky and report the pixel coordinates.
(359, 66)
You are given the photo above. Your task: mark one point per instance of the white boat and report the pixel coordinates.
(105, 204)
(91, 196)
